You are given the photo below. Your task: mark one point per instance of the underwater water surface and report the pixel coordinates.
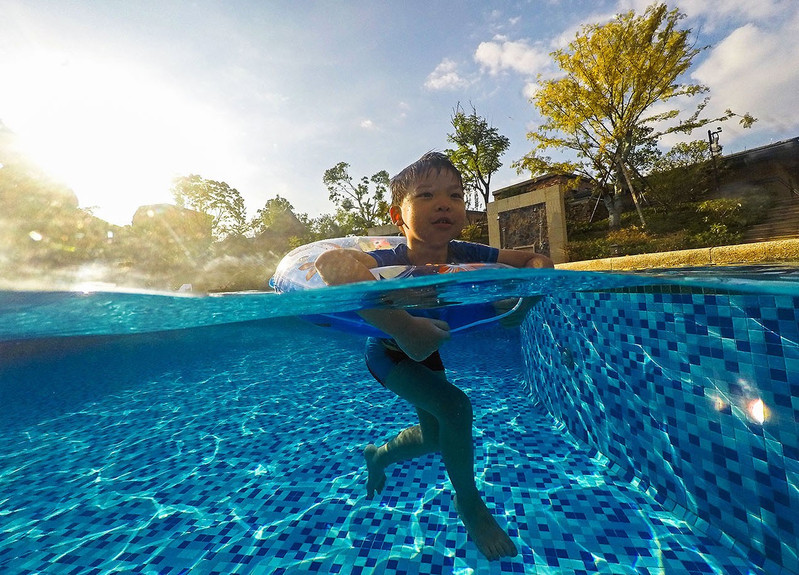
(151, 433)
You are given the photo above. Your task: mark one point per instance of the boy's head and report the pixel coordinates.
(404, 182)
(427, 201)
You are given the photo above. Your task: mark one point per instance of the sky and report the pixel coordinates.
(117, 98)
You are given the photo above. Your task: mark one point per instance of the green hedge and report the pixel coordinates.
(692, 225)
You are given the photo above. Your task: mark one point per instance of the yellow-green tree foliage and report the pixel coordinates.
(601, 108)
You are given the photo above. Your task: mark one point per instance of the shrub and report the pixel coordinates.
(723, 212)
(717, 235)
(475, 233)
(684, 226)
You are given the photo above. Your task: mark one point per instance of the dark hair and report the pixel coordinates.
(403, 182)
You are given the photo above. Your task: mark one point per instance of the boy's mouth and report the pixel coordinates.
(443, 221)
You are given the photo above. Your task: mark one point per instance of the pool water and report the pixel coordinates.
(232, 443)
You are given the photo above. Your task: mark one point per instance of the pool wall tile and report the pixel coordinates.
(669, 386)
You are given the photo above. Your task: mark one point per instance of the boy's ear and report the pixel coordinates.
(396, 216)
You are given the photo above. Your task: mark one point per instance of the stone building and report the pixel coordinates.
(770, 172)
(532, 215)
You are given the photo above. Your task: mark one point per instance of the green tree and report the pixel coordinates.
(478, 149)
(277, 215)
(600, 108)
(41, 226)
(362, 205)
(278, 228)
(685, 174)
(166, 244)
(326, 226)
(217, 199)
(322, 227)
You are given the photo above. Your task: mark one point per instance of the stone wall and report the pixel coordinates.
(530, 220)
(525, 228)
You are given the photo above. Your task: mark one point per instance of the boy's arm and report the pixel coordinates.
(519, 259)
(416, 336)
(522, 259)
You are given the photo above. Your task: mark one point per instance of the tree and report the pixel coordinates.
(223, 203)
(685, 174)
(326, 226)
(41, 226)
(359, 207)
(277, 215)
(479, 147)
(601, 108)
(278, 228)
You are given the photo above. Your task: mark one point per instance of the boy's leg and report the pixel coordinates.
(433, 395)
(412, 442)
(436, 399)
(408, 444)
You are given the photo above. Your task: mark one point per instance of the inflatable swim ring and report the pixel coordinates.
(296, 272)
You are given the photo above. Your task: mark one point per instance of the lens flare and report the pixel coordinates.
(757, 410)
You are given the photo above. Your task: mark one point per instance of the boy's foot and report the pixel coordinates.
(490, 538)
(377, 476)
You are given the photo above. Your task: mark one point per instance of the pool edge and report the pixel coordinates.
(777, 251)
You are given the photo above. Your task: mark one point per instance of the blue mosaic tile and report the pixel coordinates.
(237, 449)
(664, 383)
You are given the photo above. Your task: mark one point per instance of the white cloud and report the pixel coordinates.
(498, 22)
(710, 16)
(368, 125)
(445, 77)
(502, 54)
(530, 88)
(757, 71)
(715, 13)
(404, 108)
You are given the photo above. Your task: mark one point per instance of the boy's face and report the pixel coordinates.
(433, 210)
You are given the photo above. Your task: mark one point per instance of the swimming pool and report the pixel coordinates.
(634, 424)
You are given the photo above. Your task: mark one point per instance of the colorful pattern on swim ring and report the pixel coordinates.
(296, 272)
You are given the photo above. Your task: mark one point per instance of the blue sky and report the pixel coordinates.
(117, 97)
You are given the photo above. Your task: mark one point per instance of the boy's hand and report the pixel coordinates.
(421, 336)
(523, 259)
(418, 337)
(344, 266)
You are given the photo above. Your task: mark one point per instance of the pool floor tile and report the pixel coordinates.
(250, 462)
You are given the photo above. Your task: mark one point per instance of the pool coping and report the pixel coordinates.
(778, 251)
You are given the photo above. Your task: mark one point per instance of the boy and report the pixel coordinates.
(428, 206)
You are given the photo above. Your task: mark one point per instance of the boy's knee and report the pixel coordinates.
(458, 405)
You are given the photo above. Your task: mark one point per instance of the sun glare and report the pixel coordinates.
(757, 411)
(114, 133)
